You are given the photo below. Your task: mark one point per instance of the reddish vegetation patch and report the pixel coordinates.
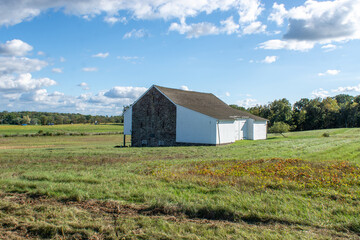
(272, 172)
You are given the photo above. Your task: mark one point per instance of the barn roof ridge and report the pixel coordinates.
(205, 103)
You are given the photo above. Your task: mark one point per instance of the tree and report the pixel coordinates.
(330, 112)
(344, 99)
(313, 115)
(26, 119)
(34, 121)
(261, 111)
(299, 114)
(237, 107)
(280, 128)
(280, 111)
(43, 120)
(59, 119)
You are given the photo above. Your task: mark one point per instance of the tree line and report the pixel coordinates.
(306, 114)
(48, 118)
(341, 111)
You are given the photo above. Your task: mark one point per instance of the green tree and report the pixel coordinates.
(313, 115)
(43, 120)
(330, 112)
(280, 111)
(280, 128)
(237, 107)
(26, 119)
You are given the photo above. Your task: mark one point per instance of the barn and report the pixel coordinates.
(173, 117)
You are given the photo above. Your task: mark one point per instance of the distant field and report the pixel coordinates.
(66, 128)
(305, 186)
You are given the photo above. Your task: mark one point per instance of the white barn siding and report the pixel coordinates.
(260, 130)
(241, 129)
(128, 121)
(225, 132)
(250, 129)
(194, 127)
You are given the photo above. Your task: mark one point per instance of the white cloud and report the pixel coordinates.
(42, 96)
(320, 93)
(249, 10)
(254, 27)
(10, 65)
(329, 47)
(185, 88)
(89, 69)
(270, 59)
(62, 59)
(325, 21)
(316, 22)
(140, 33)
(19, 90)
(41, 99)
(131, 59)
(22, 83)
(227, 94)
(229, 26)
(57, 70)
(112, 20)
(332, 72)
(246, 103)
(125, 92)
(288, 44)
(347, 89)
(195, 30)
(15, 47)
(84, 86)
(278, 14)
(41, 53)
(101, 55)
(14, 12)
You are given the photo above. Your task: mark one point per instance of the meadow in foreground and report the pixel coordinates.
(304, 186)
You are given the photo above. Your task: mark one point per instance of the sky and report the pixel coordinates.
(94, 57)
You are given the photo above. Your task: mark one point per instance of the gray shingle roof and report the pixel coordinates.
(205, 103)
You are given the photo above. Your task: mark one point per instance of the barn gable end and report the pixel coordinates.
(153, 120)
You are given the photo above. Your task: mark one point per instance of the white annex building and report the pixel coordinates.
(169, 117)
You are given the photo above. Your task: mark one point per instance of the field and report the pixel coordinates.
(66, 128)
(305, 186)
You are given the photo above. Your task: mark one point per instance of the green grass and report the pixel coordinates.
(64, 128)
(81, 186)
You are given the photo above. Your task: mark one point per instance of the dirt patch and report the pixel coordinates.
(26, 147)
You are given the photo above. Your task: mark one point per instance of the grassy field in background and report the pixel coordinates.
(304, 186)
(64, 128)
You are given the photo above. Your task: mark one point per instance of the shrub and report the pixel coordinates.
(279, 127)
(326, 134)
(40, 132)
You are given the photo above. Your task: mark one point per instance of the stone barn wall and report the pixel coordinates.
(153, 121)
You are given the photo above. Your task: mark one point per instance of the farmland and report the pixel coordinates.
(19, 130)
(69, 187)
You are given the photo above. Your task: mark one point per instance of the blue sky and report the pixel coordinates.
(93, 58)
